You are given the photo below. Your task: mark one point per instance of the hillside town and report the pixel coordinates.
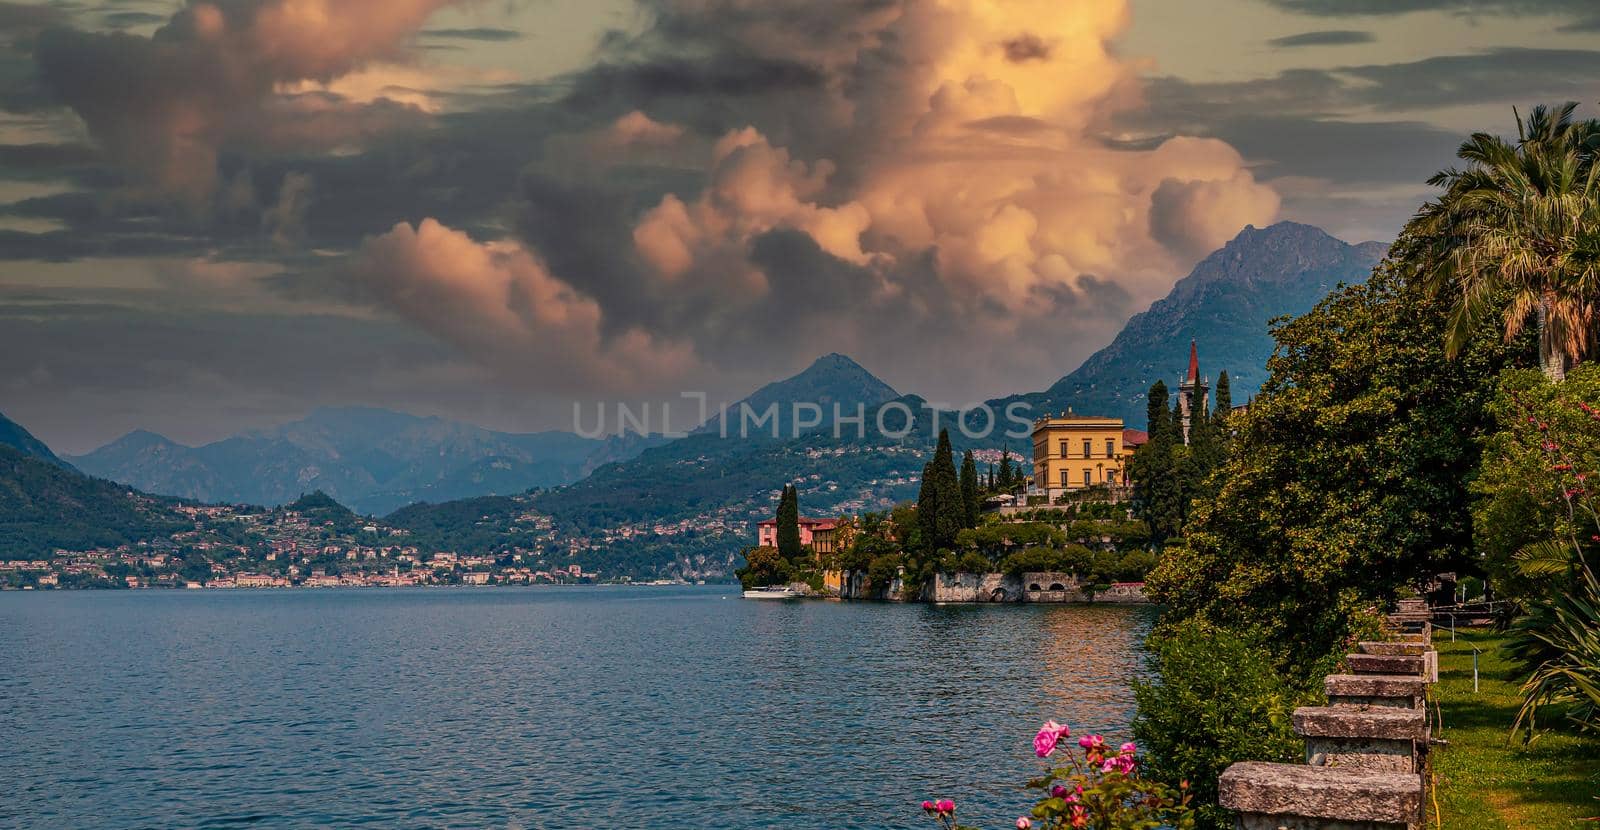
(312, 544)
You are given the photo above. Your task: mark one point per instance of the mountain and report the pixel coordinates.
(1224, 305)
(14, 436)
(831, 380)
(687, 507)
(374, 460)
(45, 505)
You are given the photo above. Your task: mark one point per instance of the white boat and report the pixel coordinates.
(772, 592)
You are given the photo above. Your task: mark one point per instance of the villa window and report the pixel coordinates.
(1087, 453)
(1111, 448)
(1088, 477)
(1064, 448)
(1111, 477)
(1065, 481)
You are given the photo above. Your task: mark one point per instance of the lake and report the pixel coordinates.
(541, 707)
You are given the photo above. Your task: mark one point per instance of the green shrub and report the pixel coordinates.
(763, 566)
(1219, 699)
(973, 563)
(883, 569)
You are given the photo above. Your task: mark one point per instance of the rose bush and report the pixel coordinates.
(1096, 788)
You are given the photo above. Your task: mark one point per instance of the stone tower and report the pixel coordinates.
(1193, 391)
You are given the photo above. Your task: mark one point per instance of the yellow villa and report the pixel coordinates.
(1071, 452)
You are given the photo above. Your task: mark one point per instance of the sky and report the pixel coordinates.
(216, 216)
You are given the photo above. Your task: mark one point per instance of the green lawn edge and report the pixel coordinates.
(1486, 779)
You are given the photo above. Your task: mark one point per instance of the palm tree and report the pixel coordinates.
(1520, 227)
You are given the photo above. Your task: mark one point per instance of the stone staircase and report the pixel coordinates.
(1366, 751)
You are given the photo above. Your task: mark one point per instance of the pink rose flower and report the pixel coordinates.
(927, 806)
(1058, 791)
(1092, 742)
(1129, 748)
(946, 806)
(1049, 735)
(1023, 823)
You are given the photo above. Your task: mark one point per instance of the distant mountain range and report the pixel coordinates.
(373, 460)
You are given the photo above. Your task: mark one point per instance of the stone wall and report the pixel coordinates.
(965, 587)
(996, 587)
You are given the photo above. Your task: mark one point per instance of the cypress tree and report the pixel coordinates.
(1156, 420)
(969, 490)
(1154, 466)
(1224, 398)
(990, 488)
(951, 514)
(789, 524)
(1006, 480)
(928, 507)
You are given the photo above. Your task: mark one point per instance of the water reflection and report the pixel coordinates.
(537, 708)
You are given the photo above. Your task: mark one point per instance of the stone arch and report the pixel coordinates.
(999, 595)
(1033, 586)
(1056, 586)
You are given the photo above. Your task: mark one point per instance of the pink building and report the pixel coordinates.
(818, 533)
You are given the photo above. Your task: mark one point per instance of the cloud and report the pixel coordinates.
(872, 174)
(164, 106)
(28, 18)
(1356, 8)
(480, 33)
(1331, 37)
(499, 302)
(1197, 216)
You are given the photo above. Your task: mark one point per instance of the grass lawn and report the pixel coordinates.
(1485, 782)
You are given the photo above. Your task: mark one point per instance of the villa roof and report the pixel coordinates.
(1134, 437)
(814, 524)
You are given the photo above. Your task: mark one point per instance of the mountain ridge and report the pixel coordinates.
(832, 379)
(373, 459)
(1224, 305)
(13, 435)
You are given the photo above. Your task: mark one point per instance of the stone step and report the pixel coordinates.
(1425, 637)
(1271, 796)
(1374, 738)
(1405, 605)
(1403, 691)
(1386, 664)
(1391, 648)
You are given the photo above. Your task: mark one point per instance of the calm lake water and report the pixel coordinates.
(536, 708)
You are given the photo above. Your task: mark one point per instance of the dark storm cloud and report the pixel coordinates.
(129, 19)
(40, 156)
(731, 75)
(1298, 123)
(1345, 8)
(480, 33)
(1024, 48)
(1331, 37)
(1510, 75)
(28, 17)
(1513, 75)
(166, 108)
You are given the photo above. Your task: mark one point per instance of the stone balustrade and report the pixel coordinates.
(1366, 751)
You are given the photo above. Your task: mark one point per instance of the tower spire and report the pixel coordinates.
(1194, 363)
